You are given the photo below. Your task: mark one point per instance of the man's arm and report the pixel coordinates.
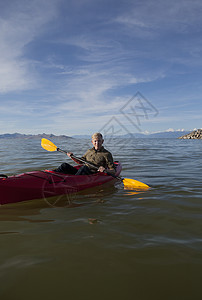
(70, 154)
(110, 165)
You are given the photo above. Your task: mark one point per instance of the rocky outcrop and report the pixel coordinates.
(196, 134)
(31, 136)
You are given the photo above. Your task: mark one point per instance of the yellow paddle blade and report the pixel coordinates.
(48, 145)
(134, 184)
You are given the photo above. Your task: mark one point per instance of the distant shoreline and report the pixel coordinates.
(166, 134)
(31, 136)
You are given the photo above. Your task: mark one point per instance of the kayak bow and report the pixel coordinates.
(47, 183)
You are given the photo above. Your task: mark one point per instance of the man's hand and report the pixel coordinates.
(101, 169)
(69, 154)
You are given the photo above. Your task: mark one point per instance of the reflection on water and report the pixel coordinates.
(108, 242)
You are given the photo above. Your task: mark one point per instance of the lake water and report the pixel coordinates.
(108, 243)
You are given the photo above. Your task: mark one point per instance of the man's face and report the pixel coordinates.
(97, 143)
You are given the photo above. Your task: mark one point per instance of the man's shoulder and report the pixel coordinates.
(89, 151)
(106, 151)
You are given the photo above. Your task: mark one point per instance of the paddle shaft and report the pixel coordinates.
(128, 182)
(77, 158)
(91, 165)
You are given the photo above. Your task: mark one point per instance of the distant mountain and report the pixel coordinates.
(168, 134)
(135, 135)
(84, 136)
(31, 136)
(160, 135)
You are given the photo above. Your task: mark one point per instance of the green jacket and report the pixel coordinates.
(99, 158)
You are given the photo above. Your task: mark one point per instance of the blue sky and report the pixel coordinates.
(72, 67)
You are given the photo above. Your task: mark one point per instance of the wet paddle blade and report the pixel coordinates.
(48, 145)
(134, 184)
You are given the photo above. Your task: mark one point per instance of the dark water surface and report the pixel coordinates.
(109, 243)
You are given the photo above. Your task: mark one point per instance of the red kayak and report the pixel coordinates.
(47, 183)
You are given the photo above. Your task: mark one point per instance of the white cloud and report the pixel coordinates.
(18, 27)
(159, 15)
(106, 67)
(170, 130)
(90, 69)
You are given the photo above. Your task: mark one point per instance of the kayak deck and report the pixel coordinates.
(47, 183)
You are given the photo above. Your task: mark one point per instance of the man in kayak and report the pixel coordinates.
(98, 156)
